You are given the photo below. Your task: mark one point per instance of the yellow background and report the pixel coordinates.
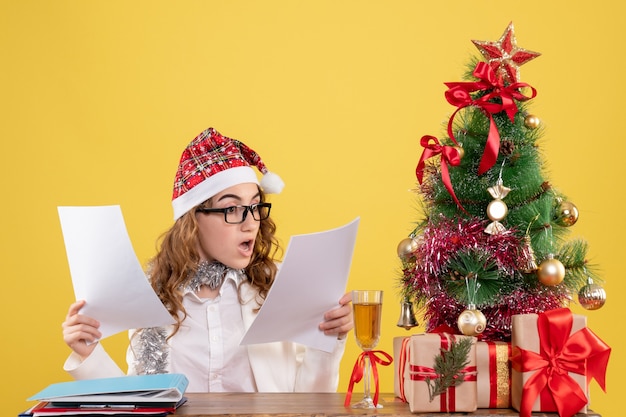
(100, 97)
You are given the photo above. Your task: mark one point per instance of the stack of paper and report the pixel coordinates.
(154, 395)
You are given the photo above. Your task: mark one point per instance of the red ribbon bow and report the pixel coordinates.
(449, 155)
(581, 353)
(459, 94)
(358, 371)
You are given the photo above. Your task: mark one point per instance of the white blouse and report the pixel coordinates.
(206, 348)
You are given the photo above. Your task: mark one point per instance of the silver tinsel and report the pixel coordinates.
(210, 274)
(151, 351)
(150, 344)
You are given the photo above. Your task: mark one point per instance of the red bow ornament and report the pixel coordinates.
(460, 94)
(559, 355)
(449, 156)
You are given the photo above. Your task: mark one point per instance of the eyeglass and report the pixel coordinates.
(238, 214)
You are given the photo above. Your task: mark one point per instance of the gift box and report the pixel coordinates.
(554, 357)
(493, 380)
(400, 365)
(424, 377)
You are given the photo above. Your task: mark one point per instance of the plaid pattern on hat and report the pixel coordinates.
(210, 164)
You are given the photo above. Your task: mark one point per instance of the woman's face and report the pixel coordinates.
(230, 244)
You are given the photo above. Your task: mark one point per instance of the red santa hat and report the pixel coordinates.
(210, 164)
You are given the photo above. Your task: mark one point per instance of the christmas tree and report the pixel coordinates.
(493, 238)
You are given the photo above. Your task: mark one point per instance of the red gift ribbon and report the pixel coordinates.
(493, 377)
(582, 353)
(404, 353)
(459, 94)
(359, 368)
(447, 400)
(449, 155)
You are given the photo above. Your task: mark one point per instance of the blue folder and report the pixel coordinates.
(159, 388)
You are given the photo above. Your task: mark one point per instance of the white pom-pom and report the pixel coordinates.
(272, 183)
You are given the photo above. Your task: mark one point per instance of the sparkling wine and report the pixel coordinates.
(367, 324)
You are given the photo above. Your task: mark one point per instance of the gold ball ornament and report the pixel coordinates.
(472, 322)
(497, 210)
(568, 214)
(531, 121)
(551, 272)
(592, 296)
(406, 247)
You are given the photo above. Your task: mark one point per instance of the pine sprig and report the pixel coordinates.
(449, 366)
(474, 277)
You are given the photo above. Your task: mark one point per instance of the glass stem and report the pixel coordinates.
(366, 377)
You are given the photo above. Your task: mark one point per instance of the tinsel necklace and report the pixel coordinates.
(152, 350)
(208, 273)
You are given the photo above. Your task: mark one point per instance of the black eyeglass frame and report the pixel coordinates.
(251, 208)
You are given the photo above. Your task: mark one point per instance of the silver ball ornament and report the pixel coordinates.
(472, 322)
(592, 296)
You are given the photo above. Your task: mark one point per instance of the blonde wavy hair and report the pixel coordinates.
(177, 259)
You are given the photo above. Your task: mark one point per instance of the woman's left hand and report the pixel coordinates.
(338, 321)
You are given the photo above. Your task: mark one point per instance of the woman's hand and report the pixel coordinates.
(338, 321)
(79, 331)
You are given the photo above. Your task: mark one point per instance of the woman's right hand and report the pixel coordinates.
(79, 331)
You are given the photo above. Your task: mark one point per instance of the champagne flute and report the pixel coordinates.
(367, 308)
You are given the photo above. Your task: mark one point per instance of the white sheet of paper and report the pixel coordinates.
(311, 280)
(105, 270)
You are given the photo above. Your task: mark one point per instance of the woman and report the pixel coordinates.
(212, 272)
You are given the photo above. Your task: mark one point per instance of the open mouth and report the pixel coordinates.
(247, 246)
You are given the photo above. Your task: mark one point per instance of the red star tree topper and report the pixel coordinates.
(504, 56)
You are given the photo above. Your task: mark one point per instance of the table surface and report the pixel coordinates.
(311, 404)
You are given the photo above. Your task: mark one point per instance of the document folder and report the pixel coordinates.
(133, 389)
